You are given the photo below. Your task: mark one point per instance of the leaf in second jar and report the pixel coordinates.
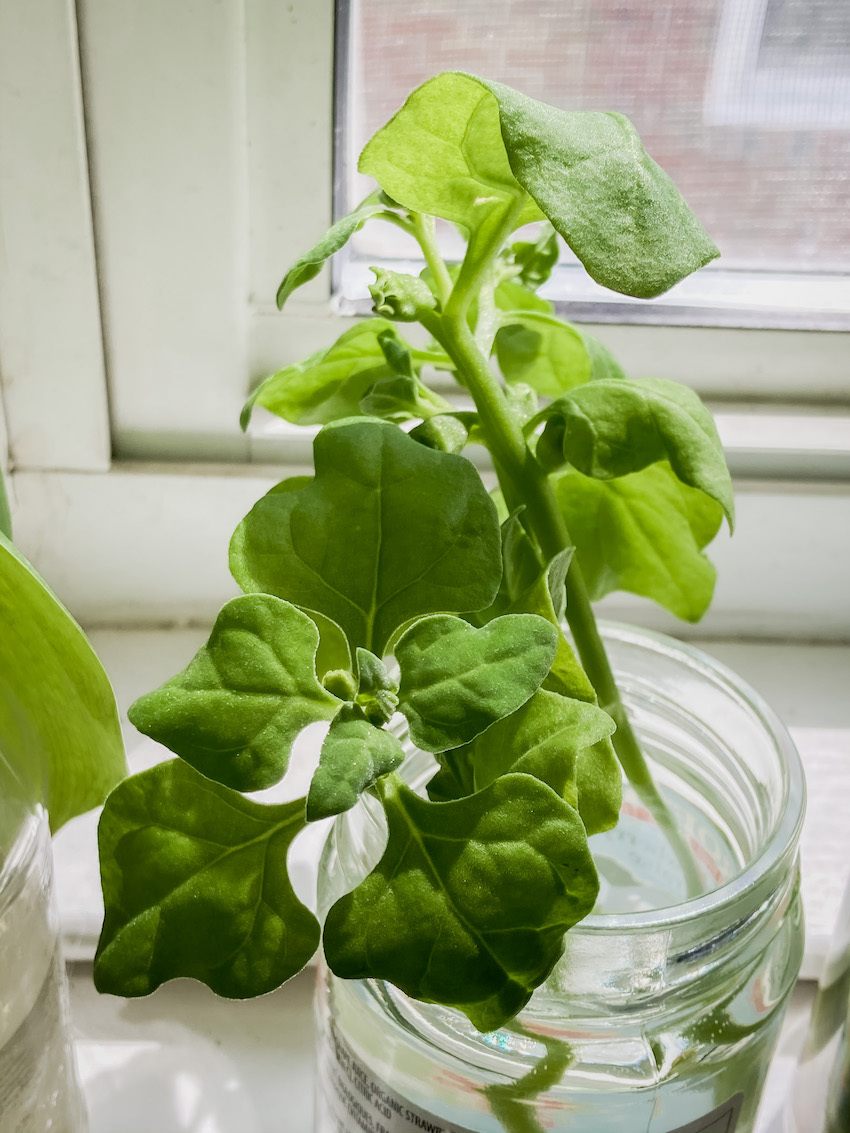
(470, 901)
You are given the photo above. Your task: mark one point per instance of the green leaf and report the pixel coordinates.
(403, 298)
(457, 680)
(355, 753)
(235, 710)
(529, 587)
(463, 148)
(549, 355)
(510, 295)
(522, 402)
(536, 258)
(377, 691)
(442, 154)
(447, 432)
(589, 174)
(312, 262)
(543, 738)
(5, 514)
(330, 384)
(398, 399)
(470, 902)
(643, 533)
(195, 884)
(60, 740)
(613, 428)
(599, 782)
(387, 531)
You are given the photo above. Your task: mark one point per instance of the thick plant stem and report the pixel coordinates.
(526, 485)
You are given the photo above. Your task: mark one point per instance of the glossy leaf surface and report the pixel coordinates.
(60, 739)
(457, 680)
(387, 530)
(195, 884)
(235, 710)
(470, 901)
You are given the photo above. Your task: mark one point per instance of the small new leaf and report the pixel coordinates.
(643, 533)
(402, 298)
(535, 259)
(612, 428)
(447, 432)
(377, 691)
(470, 902)
(388, 530)
(457, 680)
(195, 884)
(236, 709)
(355, 753)
(312, 262)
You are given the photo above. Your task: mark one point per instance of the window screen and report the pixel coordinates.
(746, 103)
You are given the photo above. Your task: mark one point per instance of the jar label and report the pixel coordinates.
(353, 1100)
(722, 1120)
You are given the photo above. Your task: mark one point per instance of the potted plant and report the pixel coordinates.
(561, 890)
(60, 753)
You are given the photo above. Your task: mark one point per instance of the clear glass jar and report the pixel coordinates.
(39, 1089)
(664, 1011)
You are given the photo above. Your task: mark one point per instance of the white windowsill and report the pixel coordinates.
(182, 1060)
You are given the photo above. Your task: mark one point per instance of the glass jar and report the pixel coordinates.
(39, 1089)
(664, 1011)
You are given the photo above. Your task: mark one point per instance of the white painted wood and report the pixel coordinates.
(165, 98)
(148, 544)
(51, 356)
(289, 75)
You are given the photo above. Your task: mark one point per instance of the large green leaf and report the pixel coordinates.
(5, 514)
(470, 902)
(337, 236)
(388, 530)
(331, 384)
(612, 428)
(442, 153)
(355, 753)
(457, 680)
(60, 740)
(236, 709)
(195, 884)
(643, 533)
(549, 355)
(463, 148)
(543, 738)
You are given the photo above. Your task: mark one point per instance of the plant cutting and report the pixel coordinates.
(443, 633)
(60, 754)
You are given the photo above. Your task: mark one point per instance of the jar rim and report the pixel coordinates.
(782, 840)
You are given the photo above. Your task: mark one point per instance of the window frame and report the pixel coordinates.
(138, 495)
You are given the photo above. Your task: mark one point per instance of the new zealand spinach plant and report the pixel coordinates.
(391, 586)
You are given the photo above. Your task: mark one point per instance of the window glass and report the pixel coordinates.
(746, 103)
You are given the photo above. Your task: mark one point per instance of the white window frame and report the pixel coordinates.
(131, 532)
